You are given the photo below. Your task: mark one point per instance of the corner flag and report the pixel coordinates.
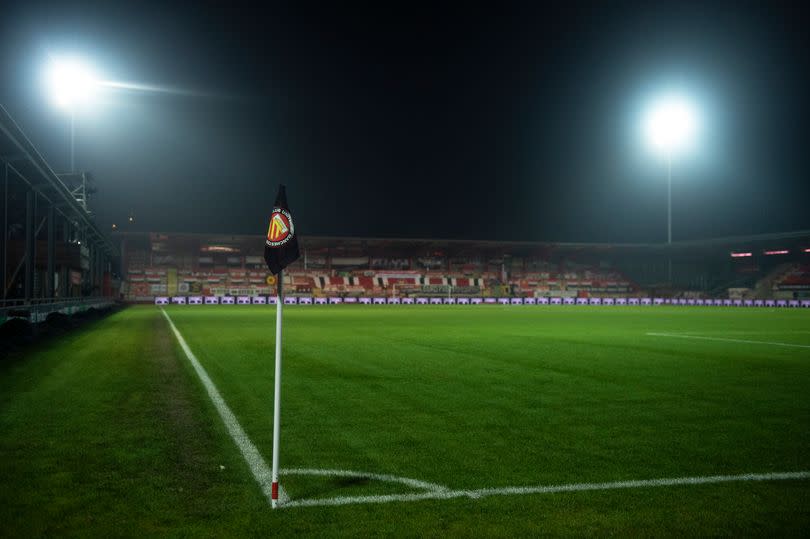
(281, 247)
(280, 250)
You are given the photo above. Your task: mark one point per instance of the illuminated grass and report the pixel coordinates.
(106, 426)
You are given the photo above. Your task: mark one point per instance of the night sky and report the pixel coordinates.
(507, 121)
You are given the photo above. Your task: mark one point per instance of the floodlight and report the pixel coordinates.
(70, 82)
(671, 124)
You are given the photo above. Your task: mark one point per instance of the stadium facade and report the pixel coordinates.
(171, 264)
(53, 256)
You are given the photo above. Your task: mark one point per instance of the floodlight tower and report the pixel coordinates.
(71, 85)
(670, 127)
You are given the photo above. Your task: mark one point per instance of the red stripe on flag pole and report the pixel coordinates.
(275, 491)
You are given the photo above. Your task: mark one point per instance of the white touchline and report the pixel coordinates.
(254, 459)
(547, 489)
(790, 345)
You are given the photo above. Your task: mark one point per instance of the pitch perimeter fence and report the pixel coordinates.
(308, 300)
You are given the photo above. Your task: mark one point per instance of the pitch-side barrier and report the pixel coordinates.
(39, 310)
(434, 300)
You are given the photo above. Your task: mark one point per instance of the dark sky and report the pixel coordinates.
(506, 121)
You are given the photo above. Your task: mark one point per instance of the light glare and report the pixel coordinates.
(70, 82)
(671, 124)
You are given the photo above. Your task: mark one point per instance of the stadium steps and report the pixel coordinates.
(720, 288)
(764, 287)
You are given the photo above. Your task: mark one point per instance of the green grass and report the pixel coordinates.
(109, 432)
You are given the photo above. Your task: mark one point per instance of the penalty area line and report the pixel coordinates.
(547, 489)
(743, 341)
(258, 467)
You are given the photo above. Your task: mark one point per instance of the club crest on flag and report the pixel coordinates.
(281, 244)
(281, 228)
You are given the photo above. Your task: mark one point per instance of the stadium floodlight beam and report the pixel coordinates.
(71, 84)
(670, 127)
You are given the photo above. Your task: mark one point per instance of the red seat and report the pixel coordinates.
(366, 282)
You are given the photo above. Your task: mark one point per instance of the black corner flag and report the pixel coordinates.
(281, 246)
(280, 250)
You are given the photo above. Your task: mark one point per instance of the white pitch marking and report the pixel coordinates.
(414, 483)
(547, 489)
(255, 461)
(790, 345)
(749, 332)
(283, 497)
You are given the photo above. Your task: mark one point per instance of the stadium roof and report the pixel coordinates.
(783, 239)
(23, 159)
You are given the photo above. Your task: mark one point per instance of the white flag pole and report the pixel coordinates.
(277, 390)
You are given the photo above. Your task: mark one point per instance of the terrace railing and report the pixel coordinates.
(39, 309)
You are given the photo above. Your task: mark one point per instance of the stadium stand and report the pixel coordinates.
(797, 277)
(172, 264)
(53, 256)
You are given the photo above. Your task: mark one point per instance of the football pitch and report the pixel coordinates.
(414, 421)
